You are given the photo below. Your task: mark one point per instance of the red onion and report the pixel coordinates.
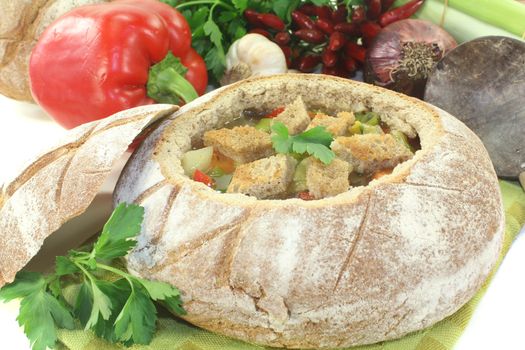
(404, 53)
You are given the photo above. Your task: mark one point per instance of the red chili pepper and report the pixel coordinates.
(261, 31)
(374, 8)
(313, 36)
(305, 196)
(308, 63)
(302, 21)
(325, 26)
(337, 41)
(339, 15)
(282, 38)
(348, 28)
(370, 30)
(399, 13)
(287, 54)
(308, 9)
(350, 64)
(271, 21)
(355, 51)
(103, 53)
(199, 176)
(386, 4)
(252, 17)
(358, 14)
(336, 70)
(274, 113)
(329, 58)
(324, 12)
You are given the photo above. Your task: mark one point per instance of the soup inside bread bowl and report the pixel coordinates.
(372, 261)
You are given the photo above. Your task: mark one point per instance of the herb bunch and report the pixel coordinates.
(315, 142)
(122, 311)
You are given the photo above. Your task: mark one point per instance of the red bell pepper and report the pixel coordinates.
(94, 61)
(199, 176)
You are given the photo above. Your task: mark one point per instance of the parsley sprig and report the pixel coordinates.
(316, 142)
(122, 311)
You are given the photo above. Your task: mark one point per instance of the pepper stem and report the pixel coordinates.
(166, 83)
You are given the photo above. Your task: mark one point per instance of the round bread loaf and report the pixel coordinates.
(371, 264)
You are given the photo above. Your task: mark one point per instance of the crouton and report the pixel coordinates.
(370, 152)
(327, 180)
(348, 116)
(335, 126)
(243, 144)
(295, 116)
(264, 178)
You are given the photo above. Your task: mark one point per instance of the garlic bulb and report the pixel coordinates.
(253, 55)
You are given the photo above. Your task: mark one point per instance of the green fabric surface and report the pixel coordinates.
(178, 335)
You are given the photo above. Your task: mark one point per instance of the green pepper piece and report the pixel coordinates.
(356, 128)
(402, 138)
(264, 124)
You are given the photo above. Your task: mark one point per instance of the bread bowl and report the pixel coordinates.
(370, 264)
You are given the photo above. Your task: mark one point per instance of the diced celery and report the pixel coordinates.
(374, 119)
(402, 138)
(372, 129)
(216, 172)
(356, 128)
(299, 177)
(222, 182)
(197, 159)
(264, 124)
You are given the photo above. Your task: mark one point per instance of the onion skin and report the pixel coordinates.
(404, 53)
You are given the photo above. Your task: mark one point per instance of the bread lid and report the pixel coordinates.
(62, 181)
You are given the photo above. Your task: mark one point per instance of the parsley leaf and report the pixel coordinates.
(115, 239)
(316, 142)
(137, 318)
(120, 312)
(39, 311)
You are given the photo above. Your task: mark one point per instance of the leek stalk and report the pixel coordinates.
(458, 24)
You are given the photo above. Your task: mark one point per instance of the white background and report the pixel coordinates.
(498, 322)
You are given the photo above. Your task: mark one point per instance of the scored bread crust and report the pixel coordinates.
(61, 182)
(371, 264)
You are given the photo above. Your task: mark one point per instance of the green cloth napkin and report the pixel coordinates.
(178, 335)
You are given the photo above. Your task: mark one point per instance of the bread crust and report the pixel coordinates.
(371, 264)
(61, 182)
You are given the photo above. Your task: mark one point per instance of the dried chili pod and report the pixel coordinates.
(324, 25)
(370, 30)
(373, 9)
(271, 21)
(302, 21)
(355, 51)
(399, 13)
(337, 41)
(308, 63)
(252, 18)
(282, 38)
(329, 58)
(312, 36)
(352, 29)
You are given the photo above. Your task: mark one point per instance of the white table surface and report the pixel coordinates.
(24, 129)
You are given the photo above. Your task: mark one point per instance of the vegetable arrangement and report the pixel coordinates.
(121, 311)
(94, 61)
